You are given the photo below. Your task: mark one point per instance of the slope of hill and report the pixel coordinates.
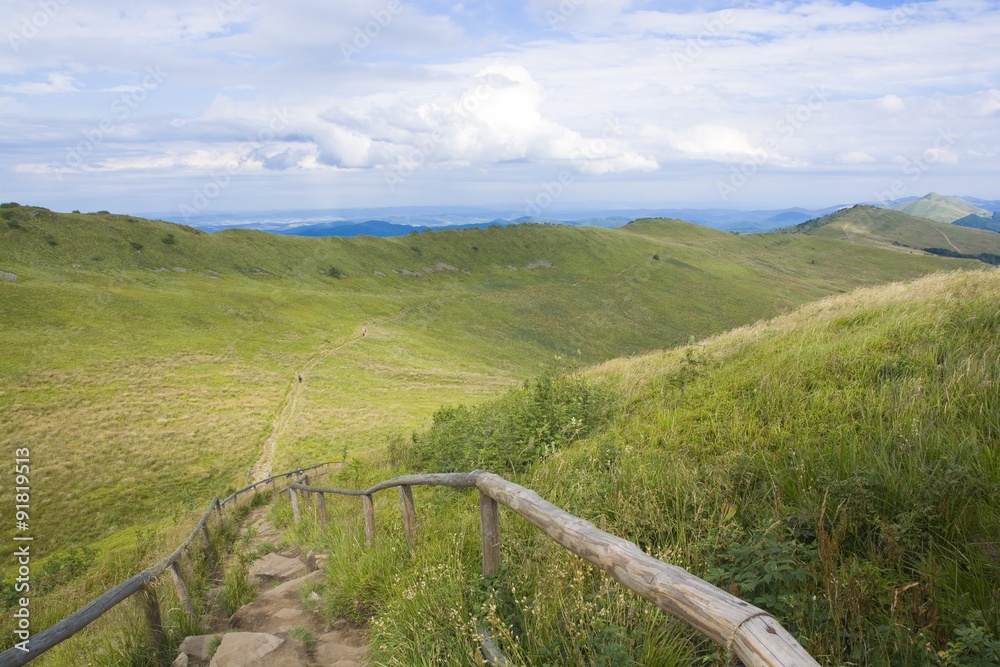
(147, 364)
(893, 230)
(979, 222)
(988, 204)
(836, 466)
(941, 208)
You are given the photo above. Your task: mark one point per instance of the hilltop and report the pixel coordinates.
(893, 230)
(941, 208)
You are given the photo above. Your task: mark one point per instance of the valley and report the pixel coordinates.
(149, 366)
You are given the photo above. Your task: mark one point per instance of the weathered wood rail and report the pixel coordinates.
(143, 582)
(750, 633)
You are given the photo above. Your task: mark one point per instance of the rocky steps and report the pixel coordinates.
(269, 631)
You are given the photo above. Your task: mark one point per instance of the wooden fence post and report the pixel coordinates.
(296, 512)
(369, 505)
(182, 590)
(489, 526)
(208, 545)
(409, 514)
(321, 509)
(151, 605)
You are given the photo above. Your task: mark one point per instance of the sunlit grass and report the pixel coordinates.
(143, 390)
(836, 466)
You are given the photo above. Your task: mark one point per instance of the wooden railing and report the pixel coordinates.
(751, 633)
(143, 582)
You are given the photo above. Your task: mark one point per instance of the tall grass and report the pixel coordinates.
(836, 466)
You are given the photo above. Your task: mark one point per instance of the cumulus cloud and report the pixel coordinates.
(720, 143)
(580, 84)
(496, 118)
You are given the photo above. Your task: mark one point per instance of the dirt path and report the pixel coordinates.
(949, 241)
(282, 626)
(263, 467)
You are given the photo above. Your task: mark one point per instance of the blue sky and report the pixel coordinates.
(196, 106)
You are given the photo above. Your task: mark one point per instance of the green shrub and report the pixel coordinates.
(510, 433)
(135, 244)
(169, 239)
(334, 272)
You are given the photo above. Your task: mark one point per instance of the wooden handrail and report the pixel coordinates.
(102, 604)
(753, 634)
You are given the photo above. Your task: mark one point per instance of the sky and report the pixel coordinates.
(198, 106)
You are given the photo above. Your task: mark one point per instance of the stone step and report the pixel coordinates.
(255, 649)
(275, 567)
(278, 610)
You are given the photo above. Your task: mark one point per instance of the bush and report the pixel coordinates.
(510, 433)
(169, 239)
(334, 272)
(135, 244)
(51, 240)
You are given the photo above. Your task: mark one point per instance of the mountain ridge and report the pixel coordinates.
(941, 208)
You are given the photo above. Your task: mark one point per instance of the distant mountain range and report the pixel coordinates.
(399, 221)
(387, 222)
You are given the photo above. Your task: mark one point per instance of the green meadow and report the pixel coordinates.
(146, 365)
(837, 466)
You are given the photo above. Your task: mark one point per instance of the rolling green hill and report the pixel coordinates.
(892, 230)
(147, 364)
(940, 208)
(836, 466)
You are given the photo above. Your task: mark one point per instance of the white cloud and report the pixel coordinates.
(891, 103)
(988, 102)
(855, 157)
(720, 143)
(495, 118)
(57, 83)
(10, 106)
(582, 16)
(599, 93)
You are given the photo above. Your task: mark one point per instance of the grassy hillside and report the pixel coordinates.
(940, 208)
(837, 466)
(892, 230)
(147, 378)
(146, 364)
